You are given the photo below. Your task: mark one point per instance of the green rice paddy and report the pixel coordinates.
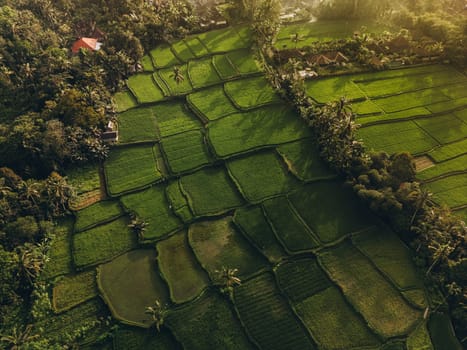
(226, 175)
(417, 109)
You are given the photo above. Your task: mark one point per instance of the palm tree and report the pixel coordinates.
(440, 252)
(138, 226)
(227, 280)
(177, 75)
(18, 338)
(157, 312)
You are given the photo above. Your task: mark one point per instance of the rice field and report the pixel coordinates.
(131, 282)
(152, 207)
(217, 244)
(142, 161)
(254, 225)
(180, 269)
(421, 110)
(185, 151)
(226, 175)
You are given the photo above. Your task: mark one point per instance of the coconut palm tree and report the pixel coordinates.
(177, 75)
(138, 226)
(227, 280)
(157, 312)
(18, 337)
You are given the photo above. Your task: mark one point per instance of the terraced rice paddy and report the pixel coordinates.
(418, 109)
(225, 175)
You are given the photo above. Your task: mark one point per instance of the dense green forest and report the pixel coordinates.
(54, 106)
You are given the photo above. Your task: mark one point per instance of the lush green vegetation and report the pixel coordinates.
(256, 228)
(137, 125)
(139, 158)
(386, 312)
(361, 290)
(268, 317)
(211, 103)
(152, 207)
(217, 244)
(250, 93)
(180, 268)
(210, 192)
(186, 151)
(144, 88)
(129, 283)
(73, 290)
(96, 214)
(289, 228)
(259, 128)
(208, 323)
(260, 176)
(102, 243)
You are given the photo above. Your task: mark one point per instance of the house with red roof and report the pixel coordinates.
(87, 44)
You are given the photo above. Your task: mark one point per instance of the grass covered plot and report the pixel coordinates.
(162, 56)
(185, 151)
(146, 62)
(144, 88)
(372, 295)
(129, 284)
(131, 168)
(196, 46)
(222, 40)
(132, 338)
(262, 127)
(289, 228)
(174, 118)
(411, 100)
(124, 100)
(95, 214)
(202, 73)
(243, 61)
(74, 290)
(210, 192)
(332, 89)
(419, 339)
(84, 178)
(333, 323)
(390, 255)
(260, 176)
(181, 270)
(178, 202)
(59, 327)
(137, 125)
(395, 116)
(267, 317)
(103, 243)
(397, 137)
(449, 151)
(176, 88)
(251, 92)
(301, 279)
(451, 190)
(458, 164)
(331, 210)
(444, 128)
(208, 323)
(151, 206)
(407, 83)
(182, 51)
(61, 260)
(303, 160)
(254, 225)
(217, 244)
(211, 103)
(366, 107)
(224, 67)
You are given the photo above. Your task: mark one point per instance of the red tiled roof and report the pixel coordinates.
(85, 43)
